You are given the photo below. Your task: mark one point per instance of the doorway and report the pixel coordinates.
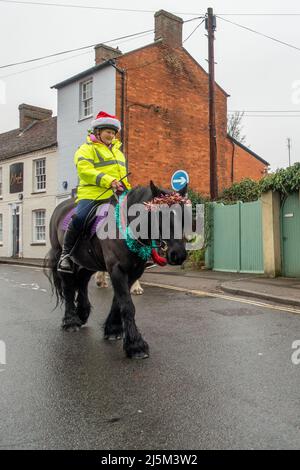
(16, 231)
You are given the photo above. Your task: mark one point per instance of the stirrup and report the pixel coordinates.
(61, 269)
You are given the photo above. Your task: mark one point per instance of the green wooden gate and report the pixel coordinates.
(290, 236)
(237, 241)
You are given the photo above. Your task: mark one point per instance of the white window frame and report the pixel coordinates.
(43, 178)
(1, 229)
(35, 236)
(86, 99)
(1, 182)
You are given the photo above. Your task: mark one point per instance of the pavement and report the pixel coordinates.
(279, 290)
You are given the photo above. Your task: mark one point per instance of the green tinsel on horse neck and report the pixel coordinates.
(133, 245)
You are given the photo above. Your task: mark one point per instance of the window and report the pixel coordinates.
(1, 183)
(86, 99)
(39, 225)
(39, 174)
(1, 228)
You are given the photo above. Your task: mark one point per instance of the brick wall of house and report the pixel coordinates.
(166, 123)
(245, 165)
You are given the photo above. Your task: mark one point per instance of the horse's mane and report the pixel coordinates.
(139, 194)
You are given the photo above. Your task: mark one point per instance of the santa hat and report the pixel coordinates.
(106, 121)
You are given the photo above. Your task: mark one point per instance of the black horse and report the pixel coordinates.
(123, 266)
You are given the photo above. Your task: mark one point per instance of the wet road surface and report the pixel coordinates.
(219, 376)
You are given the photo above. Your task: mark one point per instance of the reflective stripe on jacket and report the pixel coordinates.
(97, 166)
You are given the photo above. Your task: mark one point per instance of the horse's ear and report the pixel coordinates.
(155, 190)
(183, 191)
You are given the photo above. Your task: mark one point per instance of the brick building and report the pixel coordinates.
(160, 93)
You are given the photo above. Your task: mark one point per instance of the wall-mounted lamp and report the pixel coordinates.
(65, 184)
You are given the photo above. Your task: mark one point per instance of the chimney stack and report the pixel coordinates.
(103, 53)
(168, 27)
(29, 114)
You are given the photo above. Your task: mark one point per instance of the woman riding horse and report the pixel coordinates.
(100, 164)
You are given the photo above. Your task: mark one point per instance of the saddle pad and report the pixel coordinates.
(94, 225)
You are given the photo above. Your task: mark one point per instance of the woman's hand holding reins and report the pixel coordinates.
(117, 186)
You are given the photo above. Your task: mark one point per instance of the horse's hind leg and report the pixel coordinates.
(134, 344)
(71, 320)
(113, 328)
(83, 308)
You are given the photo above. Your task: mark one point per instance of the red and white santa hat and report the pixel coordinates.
(106, 121)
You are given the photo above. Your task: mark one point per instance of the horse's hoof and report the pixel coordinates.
(102, 285)
(84, 317)
(71, 328)
(113, 337)
(140, 355)
(139, 291)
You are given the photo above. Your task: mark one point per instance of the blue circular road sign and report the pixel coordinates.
(179, 180)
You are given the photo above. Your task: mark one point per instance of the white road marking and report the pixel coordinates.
(25, 266)
(200, 293)
(32, 286)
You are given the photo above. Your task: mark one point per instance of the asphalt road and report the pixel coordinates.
(219, 376)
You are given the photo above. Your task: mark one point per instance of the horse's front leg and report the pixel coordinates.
(133, 343)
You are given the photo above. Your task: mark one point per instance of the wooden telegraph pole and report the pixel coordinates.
(210, 26)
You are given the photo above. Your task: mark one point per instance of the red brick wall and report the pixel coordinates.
(245, 165)
(166, 118)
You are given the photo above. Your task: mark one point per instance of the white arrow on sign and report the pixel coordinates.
(180, 180)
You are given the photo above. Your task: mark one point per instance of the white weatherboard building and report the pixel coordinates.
(28, 183)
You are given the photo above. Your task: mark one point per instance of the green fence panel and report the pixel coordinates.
(290, 236)
(251, 238)
(226, 237)
(237, 244)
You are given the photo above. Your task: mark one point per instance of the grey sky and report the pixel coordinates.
(258, 73)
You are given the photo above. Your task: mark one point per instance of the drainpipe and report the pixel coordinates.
(232, 161)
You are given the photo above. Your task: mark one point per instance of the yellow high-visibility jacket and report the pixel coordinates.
(97, 166)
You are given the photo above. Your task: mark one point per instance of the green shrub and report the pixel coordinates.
(246, 190)
(195, 259)
(284, 180)
(196, 198)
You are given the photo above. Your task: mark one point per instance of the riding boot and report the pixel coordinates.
(65, 263)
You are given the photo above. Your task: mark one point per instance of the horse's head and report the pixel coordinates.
(171, 222)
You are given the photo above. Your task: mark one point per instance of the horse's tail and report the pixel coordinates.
(50, 265)
(50, 271)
